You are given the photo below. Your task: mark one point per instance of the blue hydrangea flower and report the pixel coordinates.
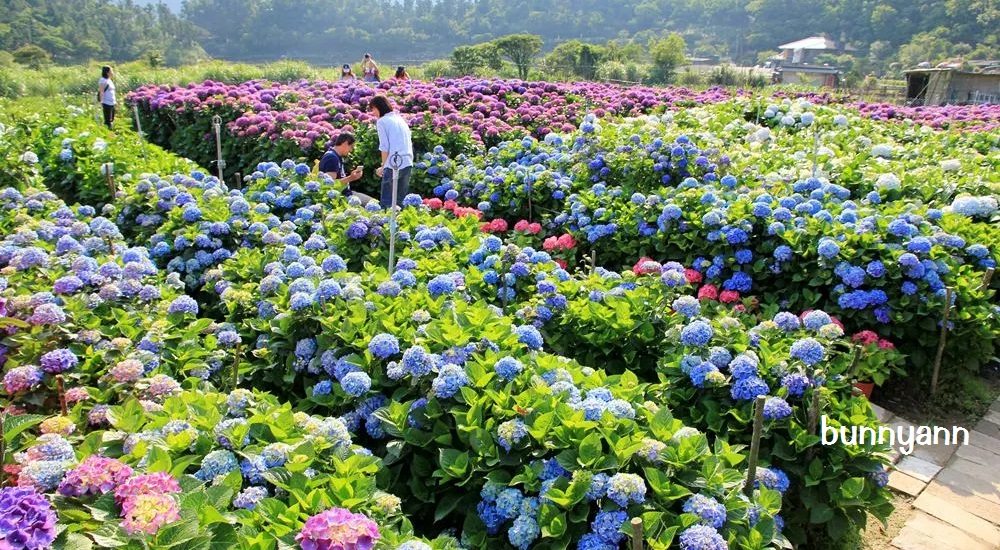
(808, 350)
(688, 306)
(773, 478)
(828, 248)
(607, 525)
(796, 384)
(711, 511)
(698, 334)
(450, 379)
(776, 408)
(356, 384)
(507, 368)
(748, 388)
(383, 345)
(624, 488)
(702, 537)
(183, 304)
(417, 361)
(511, 432)
(529, 336)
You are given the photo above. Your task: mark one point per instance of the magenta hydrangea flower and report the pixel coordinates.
(125, 371)
(95, 475)
(338, 529)
(26, 519)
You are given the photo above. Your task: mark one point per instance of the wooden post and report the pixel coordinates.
(529, 208)
(111, 183)
(987, 277)
(815, 151)
(239, 180)
(636, 533)
(758, 427)
(593, 260)
(236, 366)
(813, 420)
(60, 390)
(944, 339)
(3, 447)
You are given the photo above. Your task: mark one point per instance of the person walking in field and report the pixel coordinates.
(332, 164)
(396, 147)
(106, 95)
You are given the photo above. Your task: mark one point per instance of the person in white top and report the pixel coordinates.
(396, 147)
(106, 94)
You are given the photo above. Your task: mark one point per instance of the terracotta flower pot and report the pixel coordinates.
(865, 388)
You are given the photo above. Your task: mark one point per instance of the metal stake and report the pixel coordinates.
(138, 128)
(221, 164)
(395, 162)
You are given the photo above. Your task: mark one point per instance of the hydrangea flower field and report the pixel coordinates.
(592, 287)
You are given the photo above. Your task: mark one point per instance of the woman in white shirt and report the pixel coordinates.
(106, 94)
(396, 147)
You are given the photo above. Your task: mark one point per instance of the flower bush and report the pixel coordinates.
(196, 364)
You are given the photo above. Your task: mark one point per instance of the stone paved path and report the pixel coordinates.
(956, 490)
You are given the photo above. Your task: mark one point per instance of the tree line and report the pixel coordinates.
(330, 32)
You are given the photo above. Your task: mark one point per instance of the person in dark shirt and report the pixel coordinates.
(332, 164)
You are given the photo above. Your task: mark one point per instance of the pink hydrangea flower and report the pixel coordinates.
(74, 395)
(338, 529)
(159, 482)
(125, 371)
(147, 512)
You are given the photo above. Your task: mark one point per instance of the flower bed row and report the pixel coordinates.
(272, 120)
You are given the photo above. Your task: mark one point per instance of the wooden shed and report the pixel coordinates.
(951, 86)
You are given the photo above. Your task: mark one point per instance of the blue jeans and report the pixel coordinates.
(402, 189)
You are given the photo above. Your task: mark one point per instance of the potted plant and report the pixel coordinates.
(875, 360)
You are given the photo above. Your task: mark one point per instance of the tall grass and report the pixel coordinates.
(81, 80)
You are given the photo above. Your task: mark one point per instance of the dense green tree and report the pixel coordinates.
(668, 54)
(520, 49)
(409, 32)
(32, 56)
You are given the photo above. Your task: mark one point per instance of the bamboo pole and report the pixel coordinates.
(944, 338)
(758, 427)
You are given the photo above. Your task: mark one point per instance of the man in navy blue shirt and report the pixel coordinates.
(332, 164)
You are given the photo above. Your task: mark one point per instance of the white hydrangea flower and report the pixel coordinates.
(882, 150)
(29, 157)
(951, 165)
(887, 182)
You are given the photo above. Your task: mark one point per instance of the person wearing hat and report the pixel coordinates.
(401, 73)
(346, 73)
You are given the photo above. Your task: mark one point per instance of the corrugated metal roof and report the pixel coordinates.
(811, 43)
